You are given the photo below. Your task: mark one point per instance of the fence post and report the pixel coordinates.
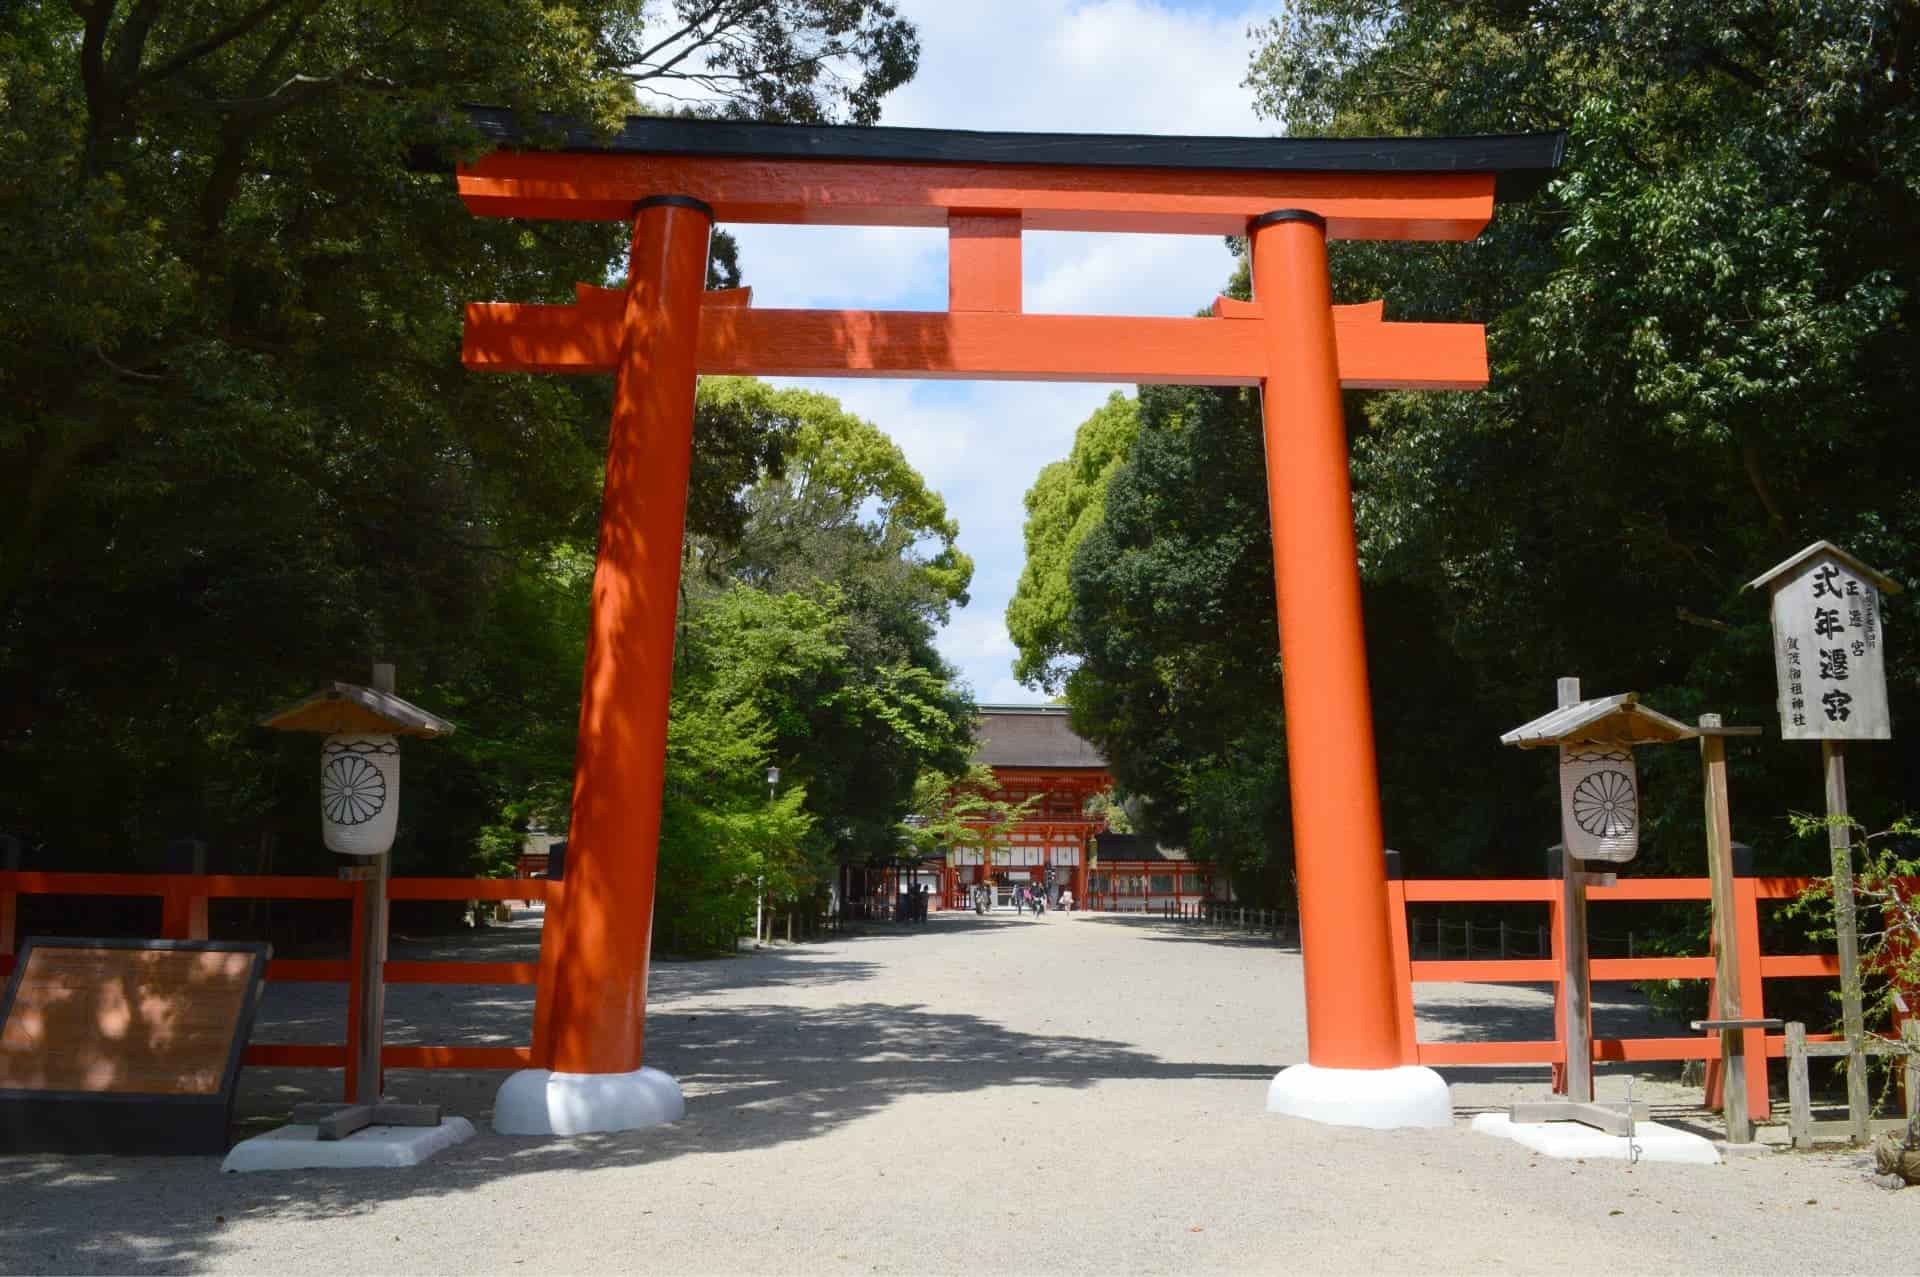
(547, 977)
(1799, 1099)
(174, 923)
(1503, 938)
(1746, 921)
(9, 898)
(1402, 956)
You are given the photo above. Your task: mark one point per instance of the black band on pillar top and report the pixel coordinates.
(1287, 215)
(675, 201)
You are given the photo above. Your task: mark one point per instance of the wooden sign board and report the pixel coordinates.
(1829, 650)
(128, 1046)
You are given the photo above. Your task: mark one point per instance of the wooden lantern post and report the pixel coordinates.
(1609, 726)
(349, 709)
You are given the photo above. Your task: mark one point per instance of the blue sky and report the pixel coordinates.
(1105, 66)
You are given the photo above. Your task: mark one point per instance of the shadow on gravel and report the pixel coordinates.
(1524, 1013)
(1150, 927)
(756, 1076)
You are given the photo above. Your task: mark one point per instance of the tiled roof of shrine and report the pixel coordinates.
(1032, 736)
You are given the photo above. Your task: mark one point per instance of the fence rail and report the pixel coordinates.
(183, 916)
(185, 897)
(1541, 964)
(1755, 966)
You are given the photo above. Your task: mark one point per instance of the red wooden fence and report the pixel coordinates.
(1755, 969)
(184, 900)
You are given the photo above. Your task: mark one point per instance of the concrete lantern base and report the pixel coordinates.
(1379, 1098)
(542, 1102)
(1651, 1142)
(292, 1148)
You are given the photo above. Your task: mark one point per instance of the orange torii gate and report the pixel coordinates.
(674, 178)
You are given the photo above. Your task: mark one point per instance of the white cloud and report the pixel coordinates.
(1110, 66)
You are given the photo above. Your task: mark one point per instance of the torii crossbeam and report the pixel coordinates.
(675, 178)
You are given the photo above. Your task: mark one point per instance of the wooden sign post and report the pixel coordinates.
(1739, 1037)
(1831, 669)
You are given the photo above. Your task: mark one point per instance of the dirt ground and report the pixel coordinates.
(1069, 1094)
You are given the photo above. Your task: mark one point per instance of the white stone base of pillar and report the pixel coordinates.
(1380, 1098)
(542, 1102)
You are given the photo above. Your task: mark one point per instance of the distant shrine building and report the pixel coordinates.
(1034, 753)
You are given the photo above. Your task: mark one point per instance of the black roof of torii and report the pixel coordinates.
(1520, 162)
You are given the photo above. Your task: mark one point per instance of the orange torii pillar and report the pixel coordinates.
(595, 1028)
(1355, 1073)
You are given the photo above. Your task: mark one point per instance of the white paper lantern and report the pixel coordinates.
(359, 792)
(1599, 802)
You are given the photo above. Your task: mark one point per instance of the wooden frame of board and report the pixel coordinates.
(149, 1122)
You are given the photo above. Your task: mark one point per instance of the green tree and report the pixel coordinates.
(959, 812)
(1173, 620)
(847, 523)
(241, 453)
(772, 678)
(1701, 361)
(1065, 502)
(1702, 358)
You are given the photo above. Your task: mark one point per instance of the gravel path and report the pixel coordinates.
(1073, 1094)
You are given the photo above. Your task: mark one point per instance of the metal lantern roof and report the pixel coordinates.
(349, 707)
(1881, 581)
(1619, 719)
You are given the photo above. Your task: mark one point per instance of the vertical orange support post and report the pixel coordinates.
(1753, 1042)
(547, 975)
(597, 1021)
(175, 920)
(983, 263)
(1338, 847)
(1402, 960)
(1355, 1072)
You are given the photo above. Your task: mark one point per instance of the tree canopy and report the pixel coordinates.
(1065, 502)
(1702, 360)
(242, 456)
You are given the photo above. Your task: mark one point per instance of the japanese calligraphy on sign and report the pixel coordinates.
(1829, 650)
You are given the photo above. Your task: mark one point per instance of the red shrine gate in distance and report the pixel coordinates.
(1035, 756)
(674, 178)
